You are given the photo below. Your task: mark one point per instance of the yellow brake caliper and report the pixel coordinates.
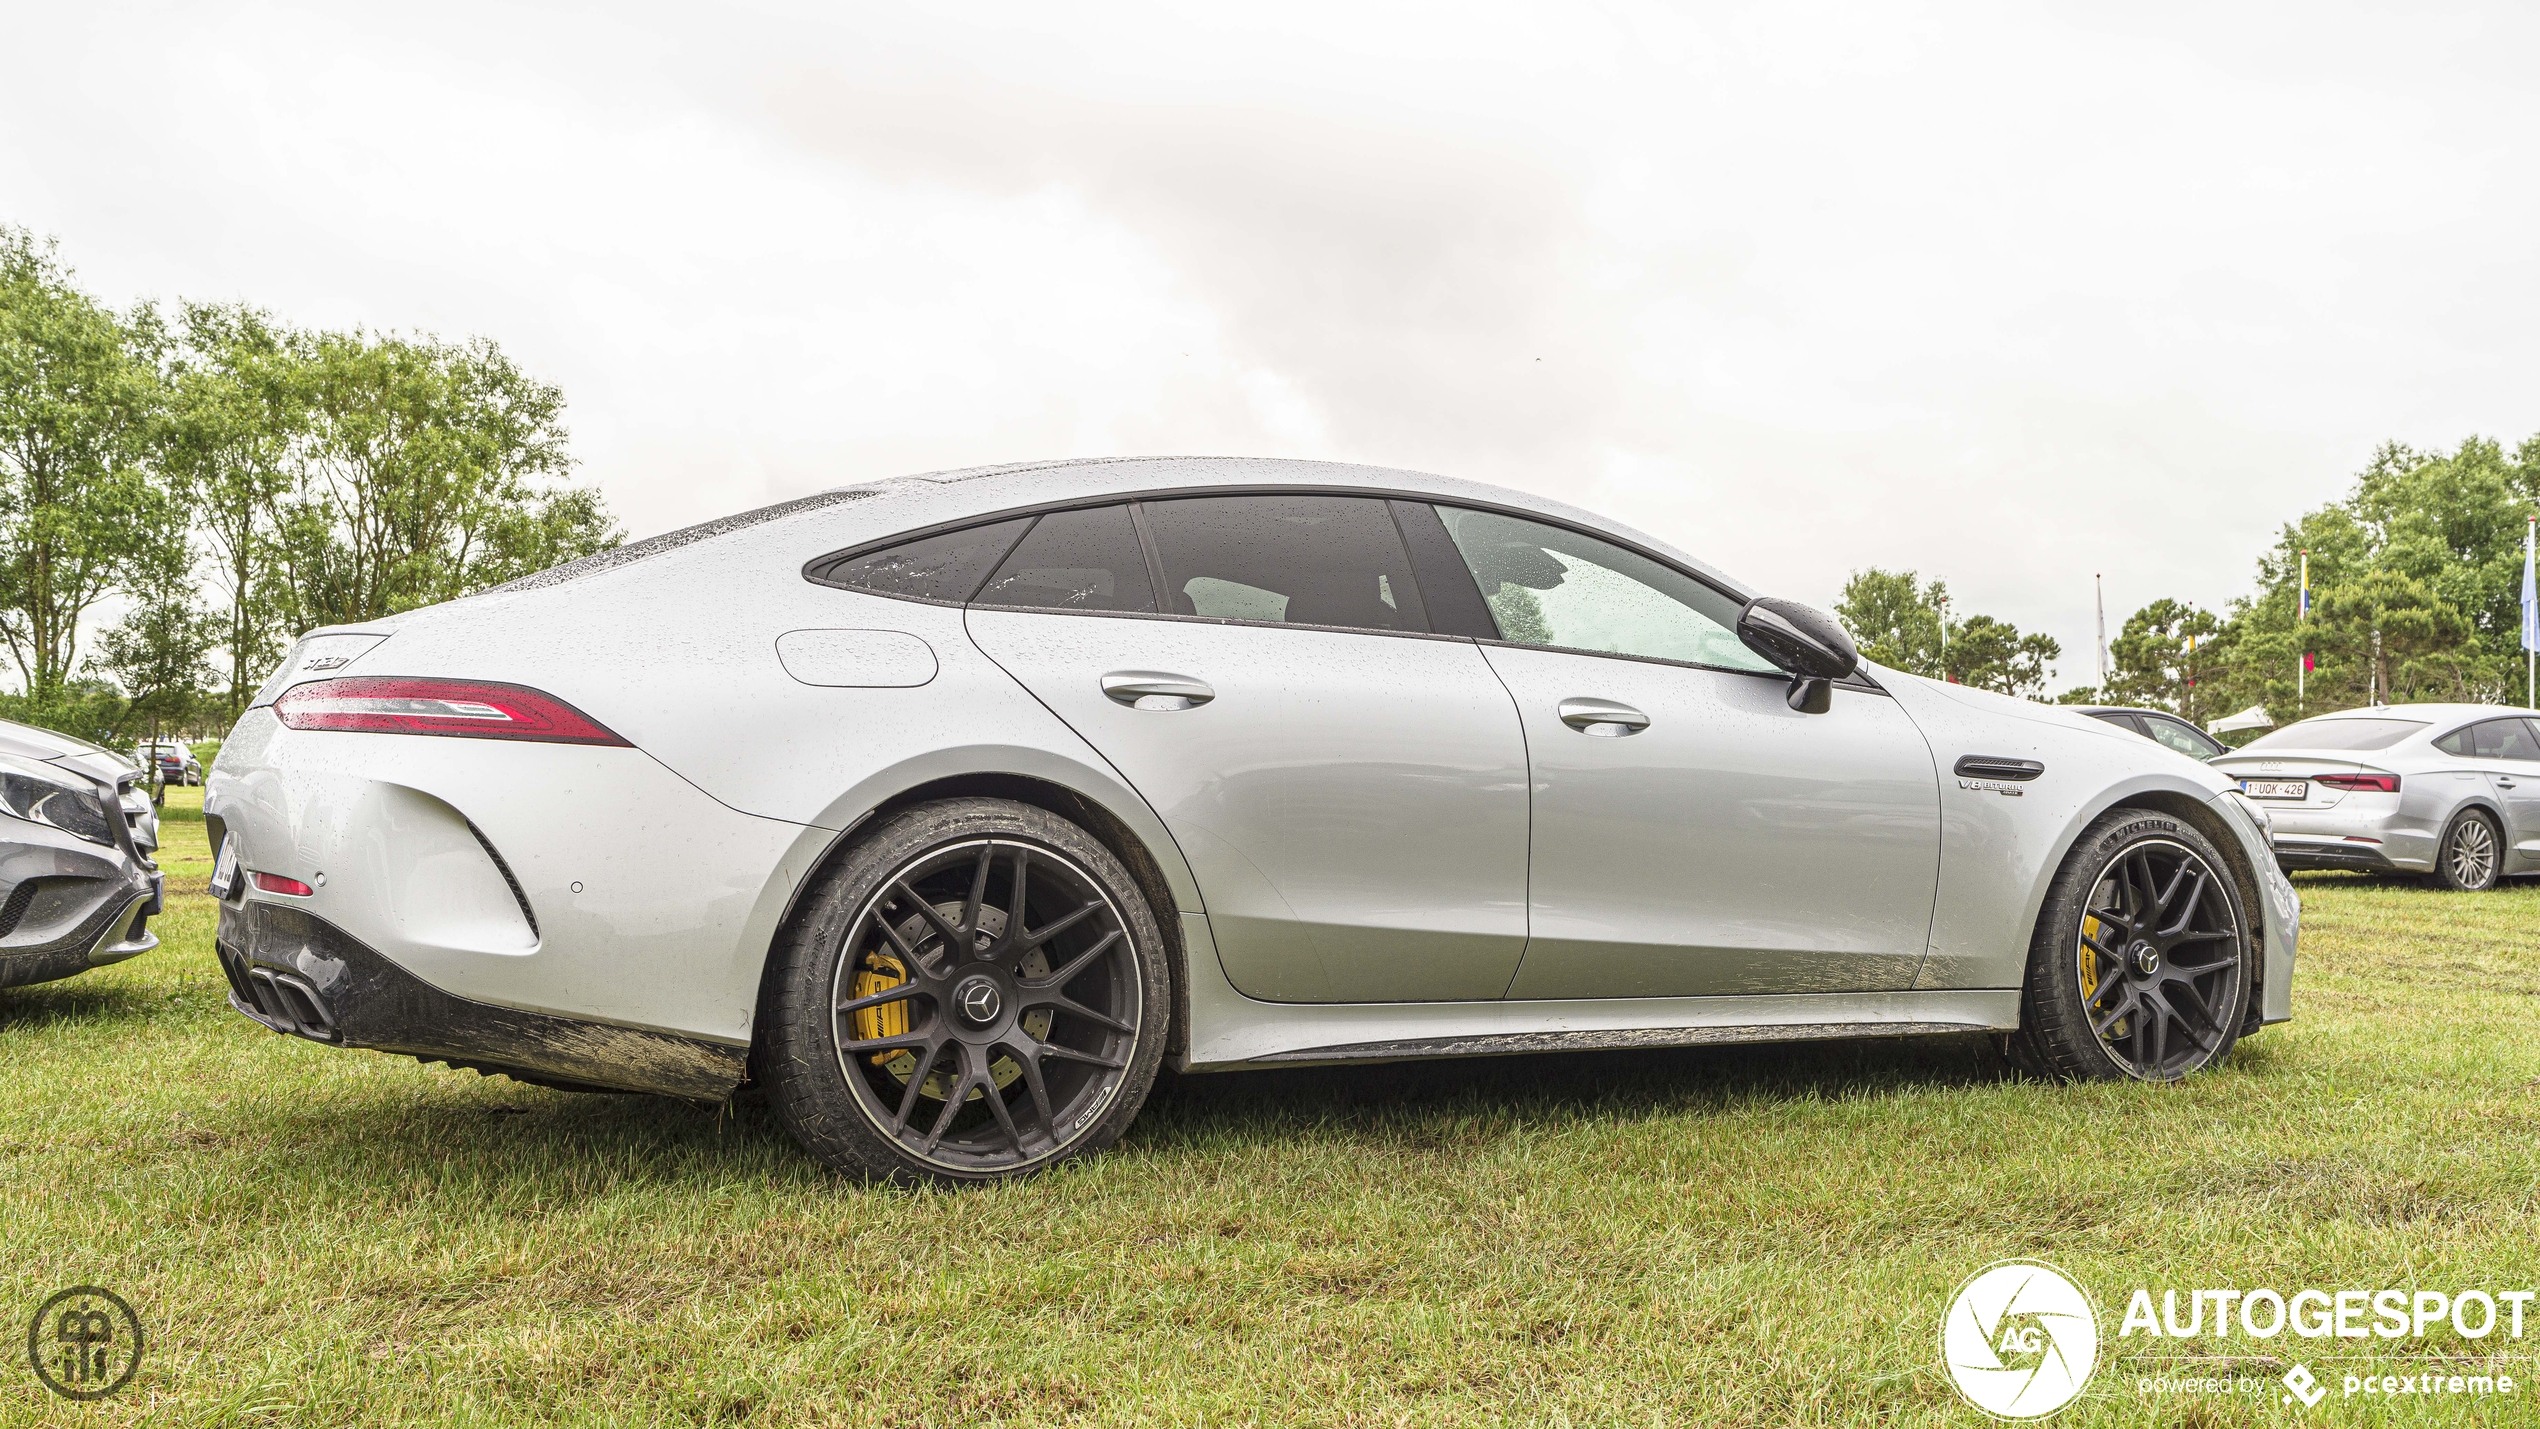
(2090, 928)
(882, 972)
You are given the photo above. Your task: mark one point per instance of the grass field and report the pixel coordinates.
(1757, 1236)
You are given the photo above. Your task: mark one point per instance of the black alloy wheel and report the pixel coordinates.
(989, 1001)
(2470, 857)
(2142, 963)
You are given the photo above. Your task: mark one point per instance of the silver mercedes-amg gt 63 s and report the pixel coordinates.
(77, 884)
(2450, 790)
(948, 809)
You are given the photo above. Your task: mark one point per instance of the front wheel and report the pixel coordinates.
(2468, 859)
(2141, 963)
(976, 991)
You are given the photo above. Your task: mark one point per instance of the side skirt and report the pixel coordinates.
(1230, 1031)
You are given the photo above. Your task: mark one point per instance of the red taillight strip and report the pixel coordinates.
(469, 709)
(276, 883)
(2376, 783)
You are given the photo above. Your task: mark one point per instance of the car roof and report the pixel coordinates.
(2428, 713)
(844, 517)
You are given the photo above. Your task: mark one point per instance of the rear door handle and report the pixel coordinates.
(2504, 782)
(1604, 718)
(1156, 690)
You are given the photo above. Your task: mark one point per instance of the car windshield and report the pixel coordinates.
(2332, 732)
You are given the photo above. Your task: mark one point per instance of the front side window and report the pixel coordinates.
(1549, 586)
(1297, 560)
(1075, 560)
(2503, 739)
(2182, 737)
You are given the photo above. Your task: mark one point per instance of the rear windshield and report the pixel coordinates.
(2338, 734)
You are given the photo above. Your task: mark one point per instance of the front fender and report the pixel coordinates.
(2002, 843)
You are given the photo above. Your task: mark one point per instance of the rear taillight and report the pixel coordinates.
(276, 883)
(471, 709)
(2374, 783)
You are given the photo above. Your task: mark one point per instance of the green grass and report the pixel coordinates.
(1756, 1236)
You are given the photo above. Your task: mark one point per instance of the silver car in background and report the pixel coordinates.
(949, 809)
(2450, 790)
(77, 884)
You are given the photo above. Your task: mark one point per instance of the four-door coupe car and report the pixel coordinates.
(949, 808)
(175, 763)
(2160, 726)
(77, 885)
(2451, 790)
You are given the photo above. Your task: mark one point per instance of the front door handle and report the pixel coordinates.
(1604, 718)
(1155, 690)
(2504, 781)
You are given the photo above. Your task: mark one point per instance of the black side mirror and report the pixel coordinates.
(1806, 642)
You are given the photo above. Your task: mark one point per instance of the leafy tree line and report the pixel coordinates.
(1903, 622)
(225, 482)
(2416, 584)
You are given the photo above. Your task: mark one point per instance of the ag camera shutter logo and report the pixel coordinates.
(2020, 1340)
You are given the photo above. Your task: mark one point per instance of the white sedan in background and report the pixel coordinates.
(2450, 790)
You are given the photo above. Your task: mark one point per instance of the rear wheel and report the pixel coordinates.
(977, 990)
(2471, 856)
(2140, 966)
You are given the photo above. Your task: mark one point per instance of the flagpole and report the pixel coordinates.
(2302, 657)
(2530, 615)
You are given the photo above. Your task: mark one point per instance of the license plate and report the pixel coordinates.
(225, 868)
(2276, 788)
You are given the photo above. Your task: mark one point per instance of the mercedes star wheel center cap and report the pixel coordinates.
(978, 1000)
(2147, 959)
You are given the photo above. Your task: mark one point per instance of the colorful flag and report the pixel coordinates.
(2303, 609)
(2530, 596)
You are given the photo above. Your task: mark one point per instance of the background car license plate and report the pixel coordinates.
(2276, 788)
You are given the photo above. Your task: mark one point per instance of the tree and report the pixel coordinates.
(431, 471)
(1992, 654)
(79, 392)
(233, 435)
(1900, 622)
(1895, 619)
(2426, 550)
(2162, 657)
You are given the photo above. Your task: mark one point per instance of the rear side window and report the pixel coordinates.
(1298, 560)
(2503, 739)
(946, 567)
(1075, 560)
(2457, 742)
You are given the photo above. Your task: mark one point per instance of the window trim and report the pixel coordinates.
(815, 570)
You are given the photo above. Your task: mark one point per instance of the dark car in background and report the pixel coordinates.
(78, 886)
(2161, 727)
(175, 763)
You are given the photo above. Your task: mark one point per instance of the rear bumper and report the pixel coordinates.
(586, 884)
(295, 973)
(2294, 854)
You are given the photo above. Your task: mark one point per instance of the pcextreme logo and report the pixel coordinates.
(2020, 1339)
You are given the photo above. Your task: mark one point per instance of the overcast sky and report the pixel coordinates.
(2008, 295)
